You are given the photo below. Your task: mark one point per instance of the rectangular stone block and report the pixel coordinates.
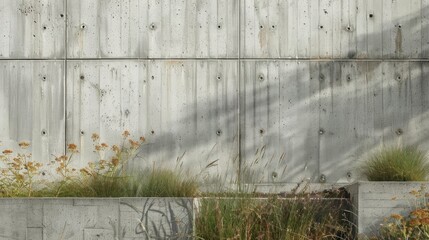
(13, 219)
(34, 213)
(34, 234)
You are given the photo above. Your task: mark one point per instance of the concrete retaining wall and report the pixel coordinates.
(101, 219)
(372, 202)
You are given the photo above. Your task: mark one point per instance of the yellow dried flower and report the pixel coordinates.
(424, 221)
(134, 144)
(95, 137)
(72, 147)
(61, 158)
(414, 222)
(85, 171)
(24, 145)
(17, 160)
(420, 213)
(16, 166)
(116, 149)
(7, 152)
(126, 134)
(30, 167)
(115, 161)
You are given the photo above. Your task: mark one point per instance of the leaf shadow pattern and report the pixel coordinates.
(311, 119)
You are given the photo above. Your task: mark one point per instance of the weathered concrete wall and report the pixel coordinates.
(272, 91)
(101, 219)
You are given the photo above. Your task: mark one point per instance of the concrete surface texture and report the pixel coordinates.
(273, 92)
(373, 202)
(96, 219)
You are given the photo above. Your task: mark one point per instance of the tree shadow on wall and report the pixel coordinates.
(301, 119)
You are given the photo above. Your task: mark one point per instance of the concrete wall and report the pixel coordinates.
(272, 91)
(101, 219)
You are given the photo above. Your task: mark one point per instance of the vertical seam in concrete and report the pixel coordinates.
(319, 122)
(421, 31)
(238, 95)
(382, 103)
(65, 72)
(382, 33)
(119, 236)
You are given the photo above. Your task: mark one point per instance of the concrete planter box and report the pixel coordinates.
(372, 202)
(96, 218)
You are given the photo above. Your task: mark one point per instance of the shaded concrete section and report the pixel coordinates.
(90, 219)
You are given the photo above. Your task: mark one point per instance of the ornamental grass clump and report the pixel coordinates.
(397, 164)
(271, 219)
(161, 182)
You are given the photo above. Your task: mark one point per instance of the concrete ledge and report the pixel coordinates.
(372, 202)
(97, 218)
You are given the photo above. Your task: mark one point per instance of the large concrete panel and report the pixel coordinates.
(316, 120)
(32, 29)
(79, 219)
(153, 28)
(334, 29)
(32, 107)
(279, 118)
(351, 119)
(186, 110)
(14, 211)
(101, 29)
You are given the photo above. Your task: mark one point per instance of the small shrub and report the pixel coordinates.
(397, 164)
